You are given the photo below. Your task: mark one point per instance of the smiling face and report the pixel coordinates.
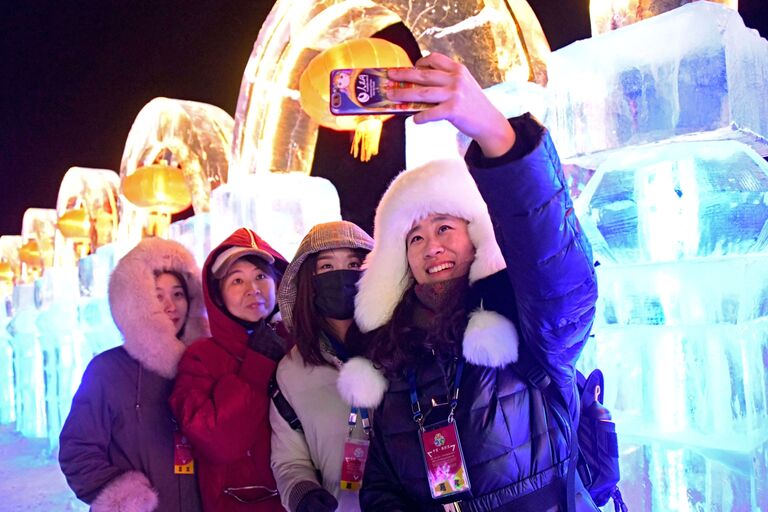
(248, 291)
(337, 259)
(171, 295)
(438, 248)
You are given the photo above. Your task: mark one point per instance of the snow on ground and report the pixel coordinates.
(30, 478)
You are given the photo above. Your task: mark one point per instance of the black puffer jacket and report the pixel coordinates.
(515, 440)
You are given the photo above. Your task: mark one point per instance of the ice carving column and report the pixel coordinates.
(10, 270)
(176, 153)
(671, 116)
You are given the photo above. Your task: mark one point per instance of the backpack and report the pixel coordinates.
(595, 445)
(598, 444)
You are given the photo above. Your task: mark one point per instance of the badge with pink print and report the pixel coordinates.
(444, 460)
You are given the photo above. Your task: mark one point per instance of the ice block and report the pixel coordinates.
(27, 363)
(65, 353)
(695, 72)
(280, 207)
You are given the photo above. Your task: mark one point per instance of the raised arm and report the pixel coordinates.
(458, 99)
(518, 173)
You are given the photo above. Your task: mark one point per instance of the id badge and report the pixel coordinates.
(353, 465)
(183, 463)
(444, 460)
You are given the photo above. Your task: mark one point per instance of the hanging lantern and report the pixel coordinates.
(6, 272)
(29, 254)
(159, 187)
(7, 277)
(314, 86)
(75, 223)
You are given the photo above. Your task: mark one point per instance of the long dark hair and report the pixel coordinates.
(400, 342)
(308, 323)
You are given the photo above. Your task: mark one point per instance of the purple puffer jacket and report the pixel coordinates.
(515, 441)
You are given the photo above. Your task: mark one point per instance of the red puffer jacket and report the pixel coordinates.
(221, 402)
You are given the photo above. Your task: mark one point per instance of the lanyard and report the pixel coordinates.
(343, 355)
(364, 418)
(418, 416)
(341, 351)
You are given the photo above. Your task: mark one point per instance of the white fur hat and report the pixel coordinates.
(440, 186)
(149, 335)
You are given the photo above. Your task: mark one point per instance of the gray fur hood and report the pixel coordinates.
(148, 334)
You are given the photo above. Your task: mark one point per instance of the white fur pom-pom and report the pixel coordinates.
(360, 384)
(490, 339)
(130, 492)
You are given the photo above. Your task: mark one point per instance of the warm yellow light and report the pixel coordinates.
(314, 86)
(29, 254)
(158, 187)
(75, 223)
(366, 142)
(6, 272)
(498, 40)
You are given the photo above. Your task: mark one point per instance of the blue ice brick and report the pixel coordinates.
(695, 72)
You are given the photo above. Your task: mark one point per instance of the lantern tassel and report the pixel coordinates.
(367, 138)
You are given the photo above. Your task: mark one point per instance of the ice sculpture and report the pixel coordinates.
(194, 233)
(607, 15)
(693, 73)
(280, 207)
(63, 347)
(95, 317)
(684, 478)
(38, 228)
(87, 213)
(681, 235)
(27, 363)
(498, 40)
(9, 271)
(430, 141)
(168, 138)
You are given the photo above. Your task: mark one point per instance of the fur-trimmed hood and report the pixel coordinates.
(148, 334)
(441, 186)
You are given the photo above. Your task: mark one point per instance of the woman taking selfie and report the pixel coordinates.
(477, 265)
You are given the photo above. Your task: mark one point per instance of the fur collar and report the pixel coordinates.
(442, 186)
(148, 334)
(490, 340)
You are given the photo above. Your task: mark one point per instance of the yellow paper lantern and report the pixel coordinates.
(29, 254)
(6, 272)
(75, 223)
(314, 86)
(159, 187)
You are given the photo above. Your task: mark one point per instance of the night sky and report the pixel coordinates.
(76, 73)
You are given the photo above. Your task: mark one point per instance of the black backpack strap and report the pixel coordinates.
(283, 407)
(529, 368)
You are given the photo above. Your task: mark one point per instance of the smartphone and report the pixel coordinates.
(360, 91)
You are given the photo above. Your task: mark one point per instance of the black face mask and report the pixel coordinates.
(335, 293)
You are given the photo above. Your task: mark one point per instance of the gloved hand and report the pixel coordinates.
(267, 342)
(317, 500)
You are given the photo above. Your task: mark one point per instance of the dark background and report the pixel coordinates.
(75, 74)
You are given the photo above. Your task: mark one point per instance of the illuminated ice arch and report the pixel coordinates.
(498, 40)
